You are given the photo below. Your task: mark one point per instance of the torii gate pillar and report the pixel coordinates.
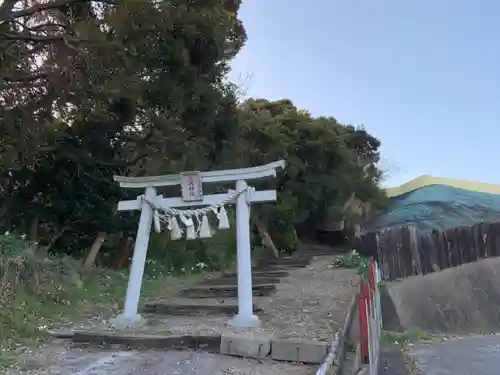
(245, 316)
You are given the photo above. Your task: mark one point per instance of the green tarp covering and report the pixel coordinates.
(438, 207)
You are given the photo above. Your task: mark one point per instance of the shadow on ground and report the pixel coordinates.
(463, 299)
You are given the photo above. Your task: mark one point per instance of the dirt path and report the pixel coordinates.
(77, 361)
(309, 304)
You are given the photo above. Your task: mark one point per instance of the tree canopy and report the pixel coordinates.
(89, 89)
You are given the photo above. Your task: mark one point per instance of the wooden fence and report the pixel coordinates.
(403, 252)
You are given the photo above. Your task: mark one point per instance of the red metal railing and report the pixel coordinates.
(370, 318)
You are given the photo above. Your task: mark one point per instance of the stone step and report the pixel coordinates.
(234, 281)
(278, 267)
(288, 261)
(320, 251)
(190, 307)
(221, 291)
(313, 254)
(257, 273)
(203, 342)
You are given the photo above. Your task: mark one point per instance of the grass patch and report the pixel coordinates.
(405, 338)
(39, 293)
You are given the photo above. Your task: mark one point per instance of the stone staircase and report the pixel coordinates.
(219, 294)
(312, 250)
(212, 300)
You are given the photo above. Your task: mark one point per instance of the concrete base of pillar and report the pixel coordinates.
(243, 321)
(123, 321)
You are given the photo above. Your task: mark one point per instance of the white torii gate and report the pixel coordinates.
(191, 183)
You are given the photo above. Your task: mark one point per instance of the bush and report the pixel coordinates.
(350, 260)
(38, 292)
(12, 245)
(353, 260)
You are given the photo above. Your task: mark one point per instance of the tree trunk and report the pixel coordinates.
(45, 249)
(33, 229)
(94, 250)
(5, 210)
(265, 238)
(123, 251)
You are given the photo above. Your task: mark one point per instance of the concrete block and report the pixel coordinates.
(299, 351)
(245, 344)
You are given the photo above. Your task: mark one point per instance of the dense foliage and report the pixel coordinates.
(89, 89)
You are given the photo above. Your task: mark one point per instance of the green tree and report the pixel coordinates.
(327, 163)
(92, 89)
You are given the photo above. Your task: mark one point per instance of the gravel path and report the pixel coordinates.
(312, 302)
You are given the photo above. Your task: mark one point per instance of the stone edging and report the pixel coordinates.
(239, 345)
(207, 343)
(337, 348)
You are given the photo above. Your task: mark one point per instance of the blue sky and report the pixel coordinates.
(421, 75)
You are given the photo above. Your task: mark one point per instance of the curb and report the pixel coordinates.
(337, 348)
